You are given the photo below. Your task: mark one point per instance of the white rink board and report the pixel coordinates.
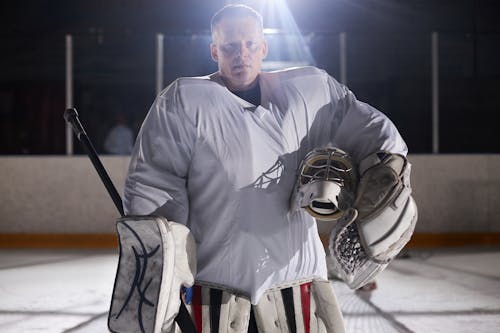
(56, 194)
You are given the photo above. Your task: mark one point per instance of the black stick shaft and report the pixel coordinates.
(71, 117)
(183, 318)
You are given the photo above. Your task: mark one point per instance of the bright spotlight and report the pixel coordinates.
(287, 46)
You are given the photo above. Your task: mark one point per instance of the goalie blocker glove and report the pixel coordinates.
(157, 258)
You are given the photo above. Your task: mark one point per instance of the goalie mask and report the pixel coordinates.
(326, 184)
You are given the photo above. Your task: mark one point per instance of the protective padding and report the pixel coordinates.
(310, 306)
(157, 257)
(362, 246)
(387, 212)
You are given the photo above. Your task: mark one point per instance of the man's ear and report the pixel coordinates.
(213, 52)
(264, 49)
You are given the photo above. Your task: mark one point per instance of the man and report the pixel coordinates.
(220, 155)
(120, 138)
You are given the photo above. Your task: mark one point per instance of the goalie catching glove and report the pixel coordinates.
(373, 228)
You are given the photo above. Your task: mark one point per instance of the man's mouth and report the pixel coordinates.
(240, 66)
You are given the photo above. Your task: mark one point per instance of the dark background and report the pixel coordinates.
(388, 63)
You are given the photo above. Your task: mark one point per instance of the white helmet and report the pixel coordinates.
(326, 184)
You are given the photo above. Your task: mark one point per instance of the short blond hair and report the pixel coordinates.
(235, 11)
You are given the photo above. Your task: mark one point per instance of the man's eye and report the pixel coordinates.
(252, 46)
(229, 48)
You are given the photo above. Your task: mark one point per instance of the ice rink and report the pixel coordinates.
(422, 291)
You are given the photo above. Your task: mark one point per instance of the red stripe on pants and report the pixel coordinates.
(196, 304)
(305, 297)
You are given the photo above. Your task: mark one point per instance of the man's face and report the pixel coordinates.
(238, 47)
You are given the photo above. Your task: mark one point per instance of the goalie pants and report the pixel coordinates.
(305, 306)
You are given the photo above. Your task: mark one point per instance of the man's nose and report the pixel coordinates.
(242, 50)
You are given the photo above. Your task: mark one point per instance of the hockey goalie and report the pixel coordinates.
(240, 164)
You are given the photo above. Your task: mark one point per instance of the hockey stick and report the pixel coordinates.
(71, 117)
(183, 318)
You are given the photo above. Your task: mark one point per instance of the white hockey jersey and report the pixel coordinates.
(226, 168)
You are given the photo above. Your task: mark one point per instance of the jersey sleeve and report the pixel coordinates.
(157, 176)
(363, 129)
